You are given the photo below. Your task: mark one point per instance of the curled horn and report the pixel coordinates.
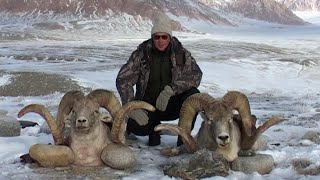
(239, 101)
(65, 107)
(106, 99)
(247, 142)
(191, 106)
(188, 140)
(118, 126)
(43, 111)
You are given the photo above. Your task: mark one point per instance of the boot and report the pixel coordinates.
(179, 142)
(154, 139)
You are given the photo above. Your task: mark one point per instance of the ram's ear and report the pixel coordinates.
(105, 117)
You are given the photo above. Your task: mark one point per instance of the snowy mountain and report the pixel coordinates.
(265, 10)
(301, 5)
(137, 15)
(138, 9)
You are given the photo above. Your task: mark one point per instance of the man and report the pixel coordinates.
(164, 74)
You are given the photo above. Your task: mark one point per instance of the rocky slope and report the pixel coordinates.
(301, 5)
(134, 14)
(139, 9)
(265, 10)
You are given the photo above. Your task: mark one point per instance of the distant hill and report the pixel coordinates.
(138, 14)
(139, 9)
(265, 10)
(301, 5)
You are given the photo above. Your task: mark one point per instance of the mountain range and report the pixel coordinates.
(265, 10)
(301, 5)
(142, 12)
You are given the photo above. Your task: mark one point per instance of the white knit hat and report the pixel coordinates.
(162, 24)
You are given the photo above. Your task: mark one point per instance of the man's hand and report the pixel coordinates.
(163, 98)
(140, 116)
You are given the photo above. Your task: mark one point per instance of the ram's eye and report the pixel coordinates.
(96, 112)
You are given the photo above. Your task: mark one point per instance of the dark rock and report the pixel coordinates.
(201, 164)
(25, 124)
(9, 126)
(26, 159)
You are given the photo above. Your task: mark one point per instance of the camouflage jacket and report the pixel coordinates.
(185, 71)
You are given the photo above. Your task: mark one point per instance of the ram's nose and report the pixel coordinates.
(81, 122)
(224, 138)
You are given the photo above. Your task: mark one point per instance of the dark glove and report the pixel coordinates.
(140, 116)
(163, 98)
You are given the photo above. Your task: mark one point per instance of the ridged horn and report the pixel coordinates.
(247, 142)
(239, 101)
(44, 112)
(189, 142)
(119, 123)
(190, 107)
(106, 99)
(65, 107)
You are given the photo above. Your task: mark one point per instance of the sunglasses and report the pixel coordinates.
(157, 37)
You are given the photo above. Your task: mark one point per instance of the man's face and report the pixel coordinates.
(161, 40)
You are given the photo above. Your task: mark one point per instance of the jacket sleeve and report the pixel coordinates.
(189, 75)
(128, 77)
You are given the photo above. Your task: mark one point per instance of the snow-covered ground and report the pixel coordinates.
(277, 67)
